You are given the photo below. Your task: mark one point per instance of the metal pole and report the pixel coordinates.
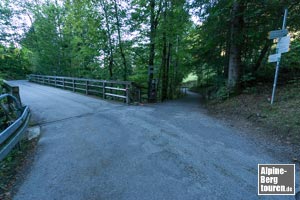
(278, 60)
(275, 78)
(284, 18)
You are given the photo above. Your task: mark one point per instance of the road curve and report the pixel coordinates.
(94, 149)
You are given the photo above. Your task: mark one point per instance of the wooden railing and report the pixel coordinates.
(125, 91)
(11, 89)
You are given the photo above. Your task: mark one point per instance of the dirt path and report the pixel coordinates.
(93, 149)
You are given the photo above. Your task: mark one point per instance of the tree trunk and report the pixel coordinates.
(151, 90)
(236, 40)
(176, 80)
(153, 26)
(110, 46)
(120, 41)
(164, 90)
(169, 72)
(164, 63)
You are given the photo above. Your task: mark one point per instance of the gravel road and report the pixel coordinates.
(94, 149)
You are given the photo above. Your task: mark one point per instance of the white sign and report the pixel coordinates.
(283, 50)
(277, 34)
(284, 41)
(284, 44)
(274, 57)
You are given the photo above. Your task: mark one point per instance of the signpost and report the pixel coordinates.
(282, 47)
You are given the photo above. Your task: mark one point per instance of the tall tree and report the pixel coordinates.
(154, 20)
(109, 37)
(5, 21)
(43, 40)
(236, 42)
(118, 24)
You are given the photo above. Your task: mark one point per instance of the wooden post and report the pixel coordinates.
(13, 90)
(73, 80)
(63, 82)
(87, 87)
(140, 96)
(127, 94)
(103, 90)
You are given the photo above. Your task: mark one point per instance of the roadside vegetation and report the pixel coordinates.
(13, 166)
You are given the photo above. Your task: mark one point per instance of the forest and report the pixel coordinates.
(154, 43)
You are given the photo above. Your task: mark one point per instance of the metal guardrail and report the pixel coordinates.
(116, 90)
(14, 132)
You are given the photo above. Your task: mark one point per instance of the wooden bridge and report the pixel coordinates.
(117, 90)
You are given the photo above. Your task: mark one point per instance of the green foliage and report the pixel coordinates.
(291, 59)
(223, 93)
(14, 62)
(210, 41)
(1, 86)
(5, 21)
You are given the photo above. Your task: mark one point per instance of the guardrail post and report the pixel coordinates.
(63, 83)
(54, 81)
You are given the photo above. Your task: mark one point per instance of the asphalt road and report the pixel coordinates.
(94, 149)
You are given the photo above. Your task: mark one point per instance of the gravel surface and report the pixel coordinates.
(95, 149)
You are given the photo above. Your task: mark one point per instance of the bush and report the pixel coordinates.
(222, 93)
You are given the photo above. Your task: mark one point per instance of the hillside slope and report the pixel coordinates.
(281, 120)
